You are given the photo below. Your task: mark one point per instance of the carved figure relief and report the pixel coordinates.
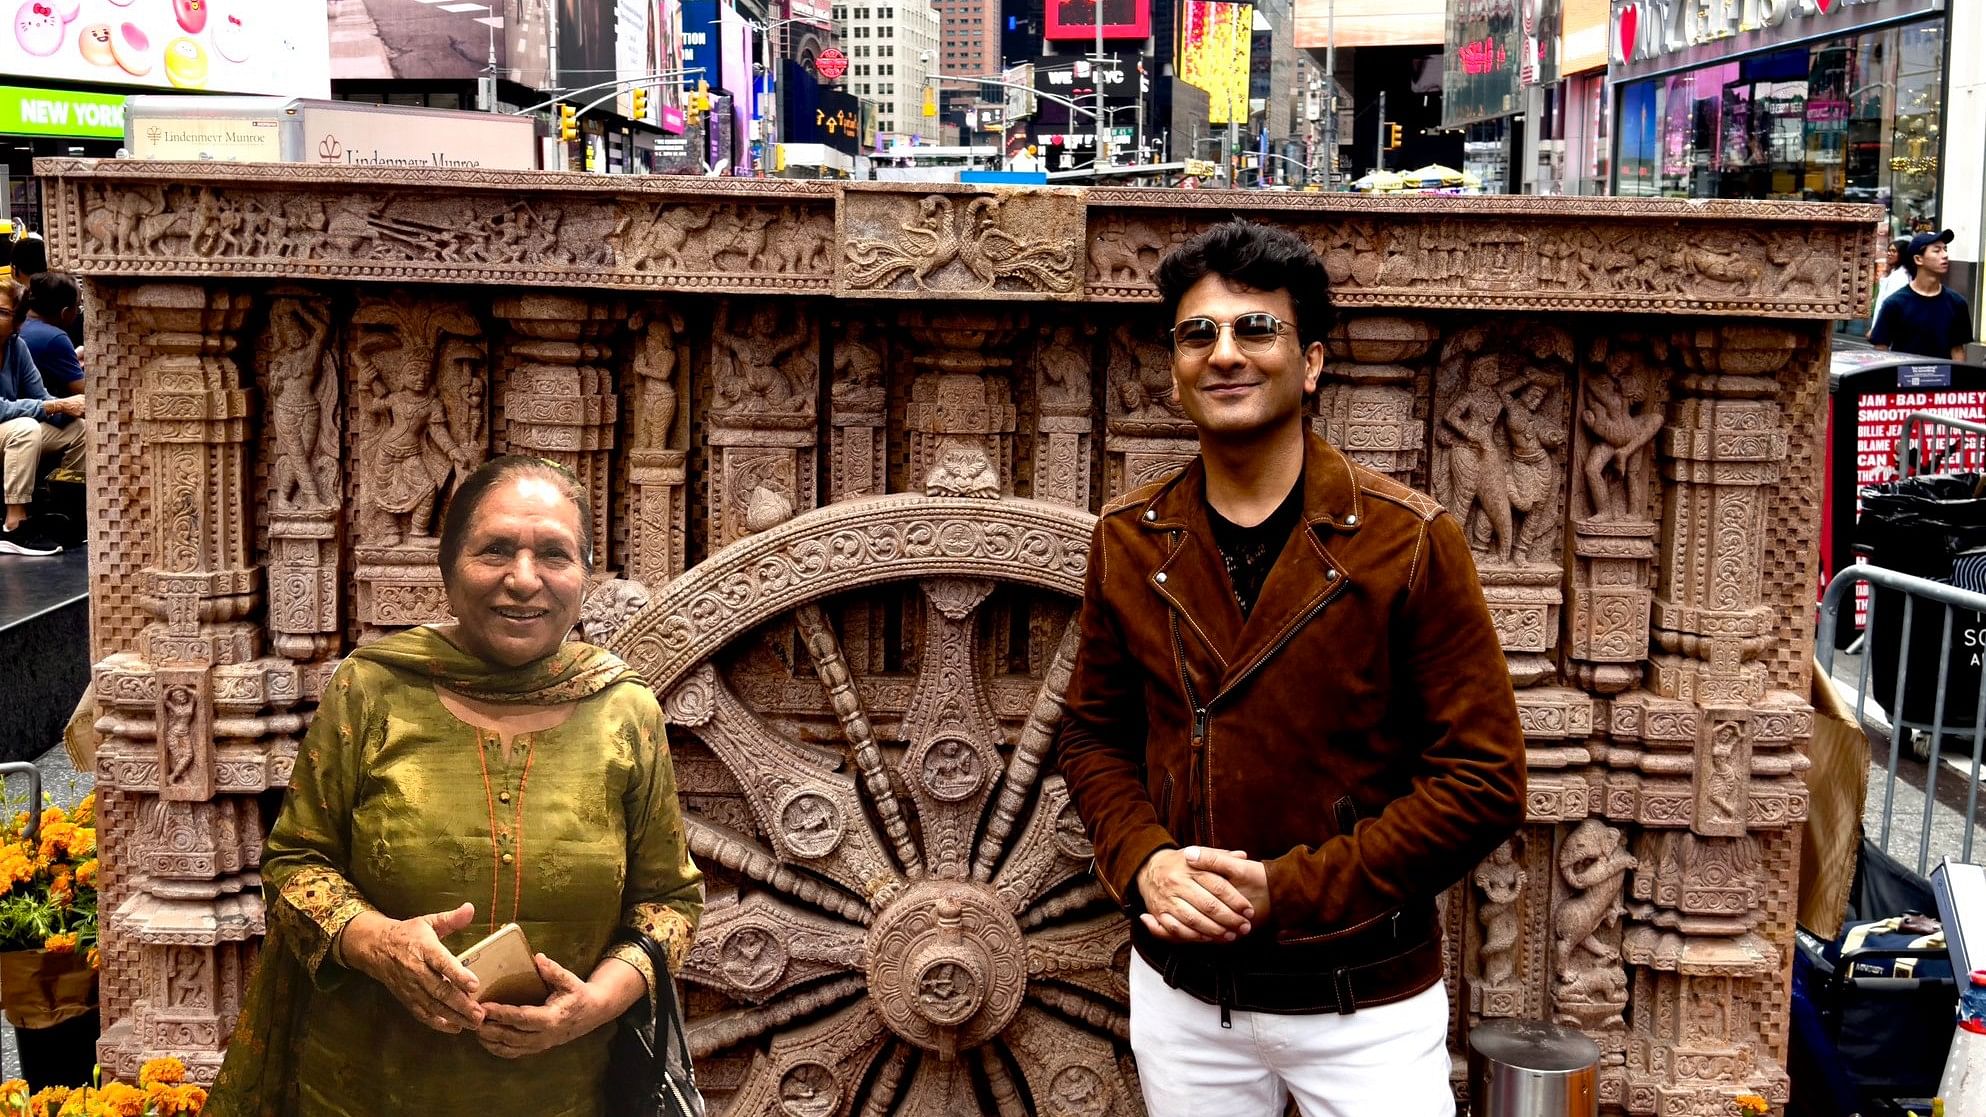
(1622, 419)
(418, 371)
(758, 363)
(1591, 984)
(961, 243)
(1501, 882)
(656, 356)
(305, 385)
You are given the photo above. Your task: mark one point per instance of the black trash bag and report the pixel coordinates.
(1917, 525)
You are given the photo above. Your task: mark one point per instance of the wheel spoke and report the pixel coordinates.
(725, 846)
(760, 947)
(711, 1034)
(888, 1086)
(1070, 1072)
(1093, 954)
(1062, 903)
(814, 1070)
(1000, 1083)
(939, 1087)
(832, 667)
(1024, 767)
(1099, 1015)
(953, 740)
(1052, 849)
(812, 816)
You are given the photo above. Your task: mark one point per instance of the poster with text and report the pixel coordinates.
(1214, 41)
(279, 47)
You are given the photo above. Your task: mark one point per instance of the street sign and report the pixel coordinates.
(831, 63)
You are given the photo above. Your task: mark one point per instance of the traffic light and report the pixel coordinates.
(568, 123)
(1392, 137)
(640, 104)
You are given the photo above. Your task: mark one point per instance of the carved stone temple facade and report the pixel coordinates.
(845, 444)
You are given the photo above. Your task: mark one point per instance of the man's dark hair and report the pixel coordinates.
(52, 292)
(471, 492)
(30, 258)
(1263, 257)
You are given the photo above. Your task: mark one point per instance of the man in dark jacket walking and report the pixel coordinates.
(1290, 725)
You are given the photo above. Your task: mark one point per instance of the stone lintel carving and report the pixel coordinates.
(956, 241)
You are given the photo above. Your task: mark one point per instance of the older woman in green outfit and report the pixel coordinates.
(457, 778)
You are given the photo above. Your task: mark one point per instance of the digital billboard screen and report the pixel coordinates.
(278, 47)
(1076, 19)
(1214, 42)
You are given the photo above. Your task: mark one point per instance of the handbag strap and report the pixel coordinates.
(670, 1035)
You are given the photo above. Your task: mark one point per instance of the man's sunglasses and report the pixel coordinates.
(1254, 333)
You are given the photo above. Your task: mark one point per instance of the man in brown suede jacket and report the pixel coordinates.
(1290, 726)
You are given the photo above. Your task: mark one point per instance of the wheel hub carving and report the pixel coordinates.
(900, 920)
(947, 966)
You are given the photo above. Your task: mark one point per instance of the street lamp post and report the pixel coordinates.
(1096, 78)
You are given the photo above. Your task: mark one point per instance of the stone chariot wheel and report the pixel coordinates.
(914, 929)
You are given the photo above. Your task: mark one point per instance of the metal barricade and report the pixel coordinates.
(1934, 443)
(1918, 595)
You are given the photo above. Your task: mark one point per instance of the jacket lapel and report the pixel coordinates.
(1194, 581)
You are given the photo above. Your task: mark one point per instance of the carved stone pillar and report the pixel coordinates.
(1146, 436)
(1501, 410)
(1724, 445)
(858, 412)
(1589, 984)
(179, 916)
(1695, 902)
(765, 378)
(658, 431)
(418, 396)
(960, 422)
(1366, 399)
(302, 416)
(558, 399)
(1063, 427)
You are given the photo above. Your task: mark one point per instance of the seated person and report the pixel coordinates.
(30, 260)
(52, 304)
(34, 425)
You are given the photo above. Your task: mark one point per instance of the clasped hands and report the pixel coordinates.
(407, 957)
(1198, 894)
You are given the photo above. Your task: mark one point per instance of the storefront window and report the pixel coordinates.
(1852, 119)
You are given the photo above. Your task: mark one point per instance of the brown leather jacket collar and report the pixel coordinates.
(1194, 577)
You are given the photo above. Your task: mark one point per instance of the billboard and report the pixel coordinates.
(1370, 23)
(634, 51)
(1582, 35)
(396, 40)
(587, 45)
(701, 44)
(1077, 78)
(1076, 19)
(1481, 67)
(223, 46)
(1214, 41)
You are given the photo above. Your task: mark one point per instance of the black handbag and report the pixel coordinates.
(648, 1062)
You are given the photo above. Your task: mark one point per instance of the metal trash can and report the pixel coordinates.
(1529, 1068)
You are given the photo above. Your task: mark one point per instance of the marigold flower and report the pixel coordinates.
(1752, 1105)
(96, 959)
(64, 943)
(121, 1100)
(86, 811)
(166, 1071)
(49, 1101)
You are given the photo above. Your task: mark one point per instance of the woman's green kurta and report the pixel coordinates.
(390, 808)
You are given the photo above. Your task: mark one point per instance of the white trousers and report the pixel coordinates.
(1392, 1059)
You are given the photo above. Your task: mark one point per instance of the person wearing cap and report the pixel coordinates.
(1926, 317)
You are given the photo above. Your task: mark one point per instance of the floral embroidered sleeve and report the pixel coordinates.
(304, 866)
(663, 898)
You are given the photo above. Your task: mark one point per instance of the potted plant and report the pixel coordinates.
(162, 1091)
(48, 942)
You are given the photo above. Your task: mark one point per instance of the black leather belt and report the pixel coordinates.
(1296, 980)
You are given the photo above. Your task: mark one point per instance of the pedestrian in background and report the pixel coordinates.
(1925, 317)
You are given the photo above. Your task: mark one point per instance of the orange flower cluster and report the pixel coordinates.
(162, 1091)
(48, 888)
(1752, 1105)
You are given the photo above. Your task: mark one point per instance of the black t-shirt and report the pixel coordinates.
(1251, 551)
(1927, 325)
